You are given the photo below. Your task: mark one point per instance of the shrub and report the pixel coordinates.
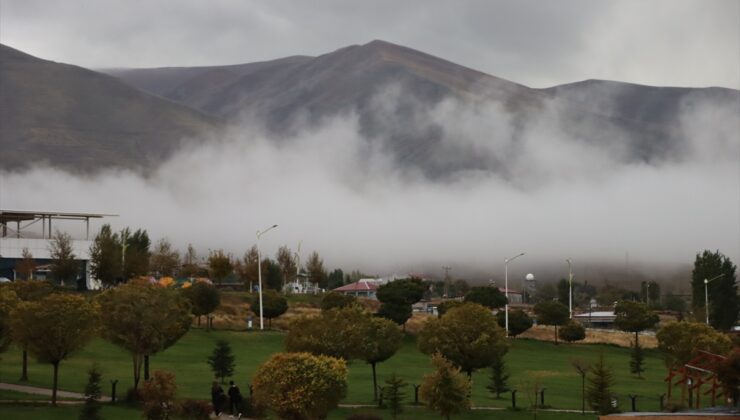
(158, 395)
(194, 410)
(572, 331)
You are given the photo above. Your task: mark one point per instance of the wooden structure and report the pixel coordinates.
(695, 374)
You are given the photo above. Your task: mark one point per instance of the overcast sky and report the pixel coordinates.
(536, 43)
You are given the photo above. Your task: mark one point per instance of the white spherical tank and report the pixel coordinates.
(529, 277)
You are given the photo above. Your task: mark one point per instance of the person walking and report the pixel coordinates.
(235, 399)
(217, 398)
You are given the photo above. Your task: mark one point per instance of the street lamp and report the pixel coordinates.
(259, 272)
(706, 294)
(506, 289)
(570, 288)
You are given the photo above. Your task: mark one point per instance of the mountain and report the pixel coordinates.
(81, 120)
(412, 105)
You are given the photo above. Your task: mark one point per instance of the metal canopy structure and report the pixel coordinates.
(45, 217)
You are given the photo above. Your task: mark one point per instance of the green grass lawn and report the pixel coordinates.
(64, 412)
(187, 360)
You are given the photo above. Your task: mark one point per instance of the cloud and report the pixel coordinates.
(662, 42)
(347, 196)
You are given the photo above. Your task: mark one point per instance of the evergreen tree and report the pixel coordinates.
(393, 394)
(136, 261)
(222, 360)
(599, 387)
(723, 299)
(637, 359)
(93, 391)
(446, 390)
(315, 269)
(498, 378)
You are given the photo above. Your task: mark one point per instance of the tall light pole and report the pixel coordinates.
(706, 294)
(259, 272)
(506, 289)
(297, 257)
(447, 269)
(570, 288)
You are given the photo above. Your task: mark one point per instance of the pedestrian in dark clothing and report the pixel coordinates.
(235, 398)
(217, 398)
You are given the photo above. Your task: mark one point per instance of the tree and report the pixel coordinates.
(220, 264)
(381, 339)
(222, 360)
(728, 373)
(273, 305)
(143, 319)
(315, 269)
(300, 386)
(582, 367)
(460, 287)
(676, 304)
(158, 396)
(136, 261)
(519, 321)
(248, 270)
(189, 263)
(93, 392)
(105, 257)
(164, 260)
(468, 336)
(393, 394)
(30, 290)
(681, 341)
(396, 312)
(55, 327)
(563, 291)
(637, 359)
(572, 331)
(600, 383)
(499, 377)
(272, 276)
(551, 313)
(337, 300)
(335, 279)
(204, 298)
(26, 266)
(445, 306)
(723, 298)
(397, 297)
(63, 266)
(287, 263)
(335, 332)
(545, 293)
(490, 297)
(446, 391)
(8, 300)
(649, 292)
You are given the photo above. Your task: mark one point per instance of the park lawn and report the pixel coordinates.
(10, 395)
(526, 360)
(65, 412)
(421, 412)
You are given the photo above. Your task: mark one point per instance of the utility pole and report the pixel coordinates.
(447, 269)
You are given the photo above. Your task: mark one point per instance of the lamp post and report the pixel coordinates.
(706, 294)
(506, 289)
(259, 272)
(570, 287)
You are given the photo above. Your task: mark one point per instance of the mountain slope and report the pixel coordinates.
(81, 120)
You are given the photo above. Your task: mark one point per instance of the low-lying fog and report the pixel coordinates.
(347, 198)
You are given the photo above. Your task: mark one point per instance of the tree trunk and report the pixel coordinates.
(54, 386)
(556, 335)
(24, 369)
(636, 338)
(583, 394)
(199, 320)
(375, 383)
(137, 370)
(146, 367)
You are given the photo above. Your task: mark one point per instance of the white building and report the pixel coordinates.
(33, 230)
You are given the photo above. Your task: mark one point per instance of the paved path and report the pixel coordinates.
(45, 391)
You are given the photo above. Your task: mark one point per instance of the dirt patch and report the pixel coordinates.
(593, 336)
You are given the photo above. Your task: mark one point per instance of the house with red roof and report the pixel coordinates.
(366, 288)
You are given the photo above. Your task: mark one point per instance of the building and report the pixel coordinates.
(515, 296)
(366, 288)
(596, 319)
(33, 230)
